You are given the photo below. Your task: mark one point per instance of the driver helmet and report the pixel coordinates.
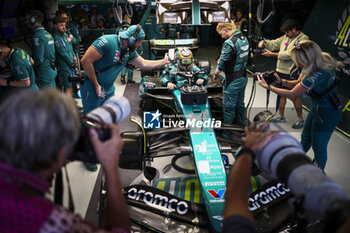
(184, 58)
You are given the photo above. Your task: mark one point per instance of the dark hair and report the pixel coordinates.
(60, 12)
(39, 17)
(289, 24)
(58, 19)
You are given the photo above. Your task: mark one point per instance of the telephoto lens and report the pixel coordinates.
(283, 158)
(114, 110)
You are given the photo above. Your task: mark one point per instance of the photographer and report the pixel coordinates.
(44, 128)
(284, 45)
(103, 61)
(319, 81)
(237, 217)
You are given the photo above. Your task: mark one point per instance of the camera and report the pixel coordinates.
(114, 110)
(283, 158)
(259, 51)
(267, 75)
(76, 77)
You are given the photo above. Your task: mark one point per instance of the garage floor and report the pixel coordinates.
(83, 182)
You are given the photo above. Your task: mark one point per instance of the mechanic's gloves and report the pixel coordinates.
(171, 86)
(200, 81)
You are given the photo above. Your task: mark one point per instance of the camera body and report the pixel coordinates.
(267, 75)
(76, 77)
(84, 150)
(259, 51)
(114, 110)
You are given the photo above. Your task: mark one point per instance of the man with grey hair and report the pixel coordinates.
(38, 132)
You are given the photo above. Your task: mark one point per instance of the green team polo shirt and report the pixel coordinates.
(114, 58)
(21, 69)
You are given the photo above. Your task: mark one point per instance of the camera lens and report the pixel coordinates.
(276, 150)
(114, 110)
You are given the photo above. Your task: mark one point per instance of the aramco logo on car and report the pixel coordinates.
(152, 120)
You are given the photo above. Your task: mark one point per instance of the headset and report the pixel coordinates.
(32, 19)
(133, 38)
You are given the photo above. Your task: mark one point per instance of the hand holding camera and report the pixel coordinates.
(107, 151)
(262, 44)
(256, 139)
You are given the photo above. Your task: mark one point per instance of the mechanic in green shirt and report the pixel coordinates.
(65, 56)
(23, 75)
(233, 61)
(43, 50)
(319, 82)
(72, 30)
(103, 61)
(126, 69)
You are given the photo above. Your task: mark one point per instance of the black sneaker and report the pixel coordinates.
(122, 79)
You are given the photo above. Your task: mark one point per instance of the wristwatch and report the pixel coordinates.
(243, 149)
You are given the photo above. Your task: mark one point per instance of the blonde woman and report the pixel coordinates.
(319, 82)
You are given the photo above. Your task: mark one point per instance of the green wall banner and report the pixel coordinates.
(329, 26)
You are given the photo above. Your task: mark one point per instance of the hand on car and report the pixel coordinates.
(171, 86)
(200, 81)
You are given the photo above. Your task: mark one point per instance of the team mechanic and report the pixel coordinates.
(43, 50)
(103, 61)
(233, 61)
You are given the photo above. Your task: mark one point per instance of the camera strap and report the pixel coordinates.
(58, 195)
(313, 94)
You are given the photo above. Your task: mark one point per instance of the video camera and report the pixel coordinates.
(267, 75)
(283, 158)
(114, 110)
